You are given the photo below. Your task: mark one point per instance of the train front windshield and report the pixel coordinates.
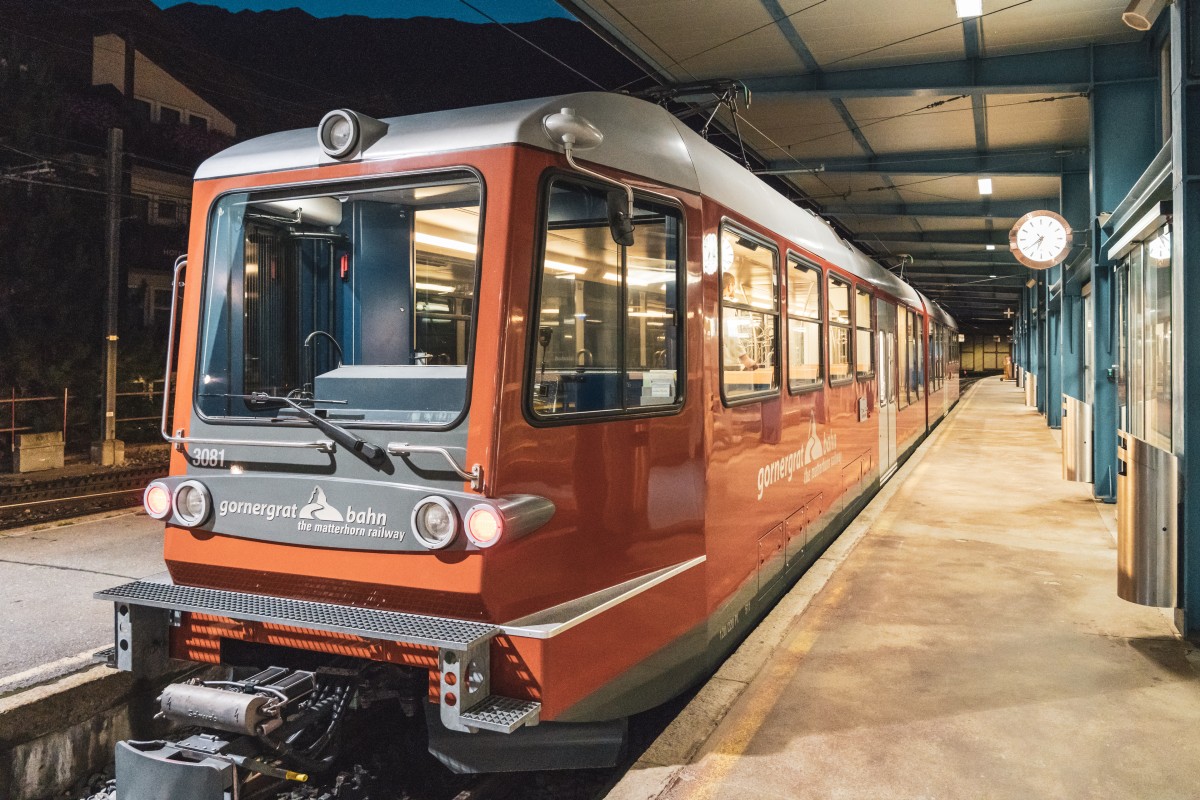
(355, 299)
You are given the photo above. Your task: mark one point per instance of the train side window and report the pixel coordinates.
(902, 400)
(804, 325)
(864, 334)
(916, 351)
(839, 331)
(607, 321)
(749, 315)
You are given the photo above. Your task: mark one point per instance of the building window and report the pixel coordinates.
(167, 210)
(804, 325)
(197, 121)
(169, 116)
(139, 207)
(749, 315)
(1149, 395)
(142, 110)
(607, 325)
(838, 314)
(864, 334)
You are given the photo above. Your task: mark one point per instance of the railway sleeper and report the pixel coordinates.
(282, 724)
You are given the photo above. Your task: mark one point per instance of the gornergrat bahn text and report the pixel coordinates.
(508, 422)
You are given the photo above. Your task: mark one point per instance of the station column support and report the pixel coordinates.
(1075, 209)
(1054, 324)
(1124, 140)
(1185, 258)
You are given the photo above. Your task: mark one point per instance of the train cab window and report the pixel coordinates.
(902, 400)
(839, 331)
(804, 325)
(608, 317)
(355, 300)
(864, 334)
(749, 315)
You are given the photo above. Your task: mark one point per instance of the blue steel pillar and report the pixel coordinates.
(1054, 350)
(1124, 128)
(1075, 209)
(1185, 258)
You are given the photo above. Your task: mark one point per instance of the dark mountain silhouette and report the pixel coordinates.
(301, 66)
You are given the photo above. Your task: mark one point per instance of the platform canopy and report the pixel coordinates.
(882, 115)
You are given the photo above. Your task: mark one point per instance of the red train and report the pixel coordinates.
(464, 424)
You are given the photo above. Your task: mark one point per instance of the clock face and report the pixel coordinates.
(1040, 239)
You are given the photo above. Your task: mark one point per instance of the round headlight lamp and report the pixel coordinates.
(435, 522)
(338, 133)
(485, 525)
(192, 503)
(157, 500)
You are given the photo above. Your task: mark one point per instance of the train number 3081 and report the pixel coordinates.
(205, 457)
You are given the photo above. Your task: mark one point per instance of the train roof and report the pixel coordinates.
(639, 138)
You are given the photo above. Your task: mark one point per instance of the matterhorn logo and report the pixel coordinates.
(814, 458)
(318, 508)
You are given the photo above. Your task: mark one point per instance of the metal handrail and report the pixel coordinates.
(179, 440)
(475, 476)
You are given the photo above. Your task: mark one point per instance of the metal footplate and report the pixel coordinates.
(144, 610)
(502, 714)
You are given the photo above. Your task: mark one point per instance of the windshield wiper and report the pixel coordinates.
(360, 447)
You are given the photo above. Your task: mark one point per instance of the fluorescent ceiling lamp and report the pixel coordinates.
(968, 8)
(559, 266)
(441, 288)
(991, 247)
(985, 185)
(444, 243)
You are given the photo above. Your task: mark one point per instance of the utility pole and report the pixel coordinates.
(110, 451)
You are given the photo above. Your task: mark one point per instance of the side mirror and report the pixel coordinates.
(620, 223)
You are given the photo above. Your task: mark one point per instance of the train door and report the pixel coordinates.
(885, 314)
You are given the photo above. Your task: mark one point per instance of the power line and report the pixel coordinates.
(534, 45)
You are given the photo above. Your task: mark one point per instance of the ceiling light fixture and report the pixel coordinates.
(991, 247)
(1140, 14)
(968, 8)
(444, 243)
(985, 185)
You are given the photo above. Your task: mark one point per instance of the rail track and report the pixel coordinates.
(37, 501)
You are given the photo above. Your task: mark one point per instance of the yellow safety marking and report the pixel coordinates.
(705, 778)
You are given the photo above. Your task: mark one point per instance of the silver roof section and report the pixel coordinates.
(639, 138)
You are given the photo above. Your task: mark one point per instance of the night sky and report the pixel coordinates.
(502, 10)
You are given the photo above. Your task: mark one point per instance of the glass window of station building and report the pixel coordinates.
(1144, 385)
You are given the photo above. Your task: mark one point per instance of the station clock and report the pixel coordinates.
(1040, 239)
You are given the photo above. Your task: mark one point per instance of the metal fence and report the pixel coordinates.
(139, 407)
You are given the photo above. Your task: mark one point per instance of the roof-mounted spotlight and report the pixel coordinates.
(1141, 13)
(344, 133)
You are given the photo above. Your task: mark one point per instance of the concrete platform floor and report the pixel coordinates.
(970, 646)
(49, 622)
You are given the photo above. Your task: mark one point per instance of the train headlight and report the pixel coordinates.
(192, 503)
(485, 525)
(435, 522)
(338, 133)
(157, 500)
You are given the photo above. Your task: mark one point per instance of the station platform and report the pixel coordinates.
(963, 638)
(49, 622)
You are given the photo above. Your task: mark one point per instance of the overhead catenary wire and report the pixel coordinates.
(532, 44)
